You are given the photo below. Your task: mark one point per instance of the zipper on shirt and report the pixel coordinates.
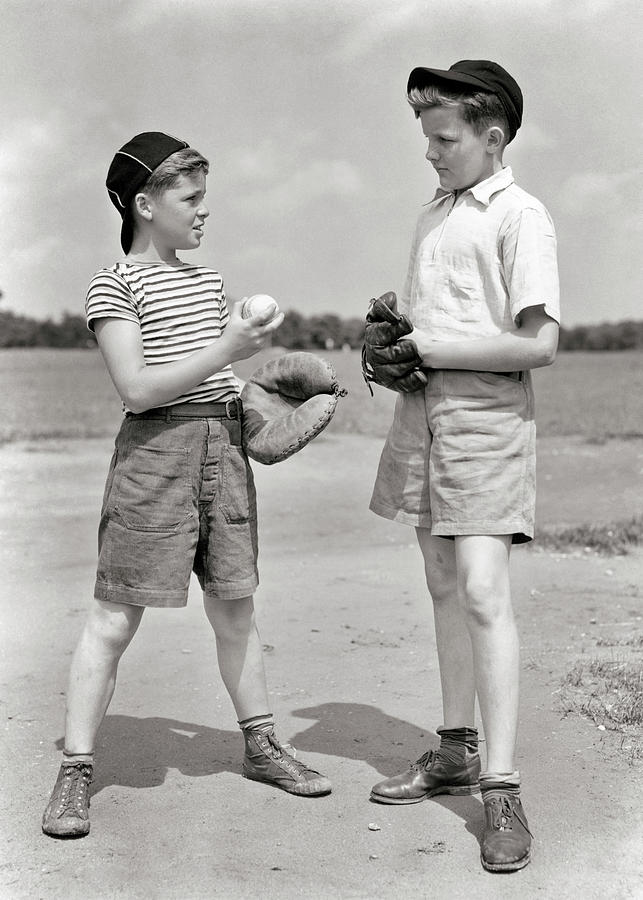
(444, 225)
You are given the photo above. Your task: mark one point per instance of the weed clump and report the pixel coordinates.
(610, 693)
(614, 539)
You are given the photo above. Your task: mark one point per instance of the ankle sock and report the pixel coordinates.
(494, 780)
(265, 723)
(454, 740)
(71, 758)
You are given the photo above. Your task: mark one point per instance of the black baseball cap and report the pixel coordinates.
(481, 74)
(131, 167)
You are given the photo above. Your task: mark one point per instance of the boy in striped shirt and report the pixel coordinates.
(179, 495)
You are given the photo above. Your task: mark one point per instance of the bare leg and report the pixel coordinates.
(455, 768)
(452, 635)
(108, 631)
(483, 585)
(240, 658)
(240, 654)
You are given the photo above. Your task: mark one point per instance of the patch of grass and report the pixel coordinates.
(597, 395)
(613, 539)
(635, 641)
(48, 390)
(610, 693)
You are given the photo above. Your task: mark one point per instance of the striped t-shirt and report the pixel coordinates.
(180, 309)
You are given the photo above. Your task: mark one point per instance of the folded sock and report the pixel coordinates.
(452, 742)
(263, 723)
(72, 758)
(491, 780)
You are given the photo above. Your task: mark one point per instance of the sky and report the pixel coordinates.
(317, 162)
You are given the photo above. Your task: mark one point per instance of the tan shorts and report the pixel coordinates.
(460, 457)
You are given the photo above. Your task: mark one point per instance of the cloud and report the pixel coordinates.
(31, 138)
(29, 175)
(280, 180)
(327, 179)
(533, 137)
(377, 22)
(600, 193)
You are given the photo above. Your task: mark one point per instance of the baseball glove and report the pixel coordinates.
(286, 403)
(387, 359)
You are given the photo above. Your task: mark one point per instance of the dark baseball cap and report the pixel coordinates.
(131, 167)
(482, 75)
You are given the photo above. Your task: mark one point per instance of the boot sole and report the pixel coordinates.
(66, 835)
(453, 791)
(322, 793)
(506, 867)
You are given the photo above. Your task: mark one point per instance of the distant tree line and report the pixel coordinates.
(23, 331)
(625, 335)
(299, 332)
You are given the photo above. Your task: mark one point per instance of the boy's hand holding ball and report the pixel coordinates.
(260, 306)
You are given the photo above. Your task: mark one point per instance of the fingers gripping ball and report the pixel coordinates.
(388, 359)
(286, 403)
(260, 305)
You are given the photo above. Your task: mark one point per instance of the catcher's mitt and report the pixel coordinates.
(386, 358)
(286, 403)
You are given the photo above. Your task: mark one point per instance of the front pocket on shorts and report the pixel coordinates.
(238, 502)
(151, 489)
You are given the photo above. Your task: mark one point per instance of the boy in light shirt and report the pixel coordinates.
(459, 461)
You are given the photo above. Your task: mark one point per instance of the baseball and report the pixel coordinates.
(259, 305)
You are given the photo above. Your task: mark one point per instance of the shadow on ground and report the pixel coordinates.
(139, 752)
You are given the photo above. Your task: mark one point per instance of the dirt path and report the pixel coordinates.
(350, 657)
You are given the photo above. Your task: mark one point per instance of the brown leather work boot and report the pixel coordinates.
(269, 761)
(453, 769)
(506, 839)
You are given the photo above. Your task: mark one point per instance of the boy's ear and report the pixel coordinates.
(142, 206)
(495, 139)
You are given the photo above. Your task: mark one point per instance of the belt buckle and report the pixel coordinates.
(232, 408)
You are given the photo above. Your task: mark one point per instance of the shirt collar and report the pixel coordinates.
(484, 190)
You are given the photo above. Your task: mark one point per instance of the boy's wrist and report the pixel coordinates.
(423, 345)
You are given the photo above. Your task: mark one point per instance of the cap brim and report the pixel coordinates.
(421, 77)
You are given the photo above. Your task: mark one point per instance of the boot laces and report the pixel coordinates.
(281, 752)
(503, 811)
(425, 761)
(74, 790)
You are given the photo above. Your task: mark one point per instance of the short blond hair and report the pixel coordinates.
(479, 109)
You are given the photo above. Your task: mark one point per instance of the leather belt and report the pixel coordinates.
(230, 409)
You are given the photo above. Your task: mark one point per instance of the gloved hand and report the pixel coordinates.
(286, 403)
(387, 359)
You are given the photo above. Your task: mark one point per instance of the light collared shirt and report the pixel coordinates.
(479, 259)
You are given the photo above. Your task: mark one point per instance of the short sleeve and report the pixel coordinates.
(529, 256)
(108, 296)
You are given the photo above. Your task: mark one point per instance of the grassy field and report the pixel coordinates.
(67, 394)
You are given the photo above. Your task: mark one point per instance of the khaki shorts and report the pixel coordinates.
(179, 498)
(460, 457)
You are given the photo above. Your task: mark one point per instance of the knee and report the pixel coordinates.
(441, 582)
(439, 567)
(112, 630)
(443, 589)
(232, 620)
(482, 600)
